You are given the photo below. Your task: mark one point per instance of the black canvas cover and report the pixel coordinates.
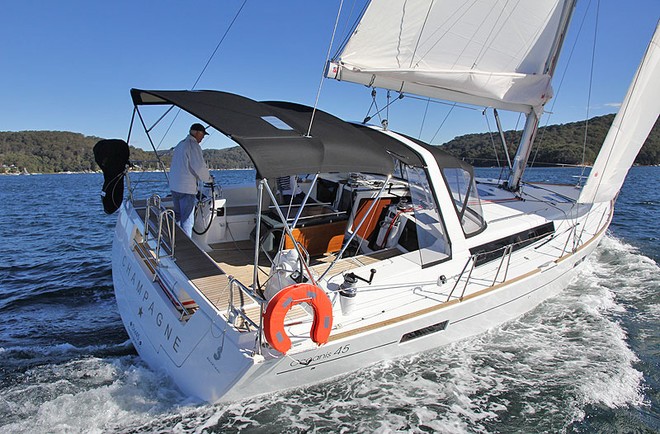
(112, 157)
(274, 134)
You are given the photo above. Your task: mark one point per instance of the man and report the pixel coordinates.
(187, 168)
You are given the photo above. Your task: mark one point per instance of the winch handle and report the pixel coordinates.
(371, 277)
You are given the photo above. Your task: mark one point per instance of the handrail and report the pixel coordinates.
(507, 254)
(473, 259)
(231, 309)
(167, 217)
(153, 200)
(165, 222)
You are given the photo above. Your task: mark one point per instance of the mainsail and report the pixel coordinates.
(631, 127)
(483, 52)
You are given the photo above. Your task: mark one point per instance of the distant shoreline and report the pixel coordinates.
(100, 172)
(558, 166)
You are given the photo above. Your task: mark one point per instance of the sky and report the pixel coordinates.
(69, 65)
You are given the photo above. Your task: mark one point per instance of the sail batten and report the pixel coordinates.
(482, 52)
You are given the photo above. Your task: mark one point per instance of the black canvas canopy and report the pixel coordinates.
(274, 134)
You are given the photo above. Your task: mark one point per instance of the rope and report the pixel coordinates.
(442, 123)
(367, 118)
(218, 45)
(492, 141)
(208, 62)
(421, 33)
(591, 79)
(374, 103)
(426, 110)
(327, 59)
(347, 34)
(387, 112)
(559, 87)
(452, 104)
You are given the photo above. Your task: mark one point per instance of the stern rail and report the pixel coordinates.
(161, 227)
(233, 313)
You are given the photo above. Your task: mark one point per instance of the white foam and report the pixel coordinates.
(90, 395)
(544, 369)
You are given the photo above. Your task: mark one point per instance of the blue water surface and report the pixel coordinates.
(586, 361)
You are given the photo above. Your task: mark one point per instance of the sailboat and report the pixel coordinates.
(356, 244)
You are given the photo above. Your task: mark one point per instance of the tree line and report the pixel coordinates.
(554, 145)
(61, 151)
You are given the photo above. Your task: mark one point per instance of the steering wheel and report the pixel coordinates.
(204, 208)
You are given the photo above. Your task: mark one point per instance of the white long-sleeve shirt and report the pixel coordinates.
(188, 166)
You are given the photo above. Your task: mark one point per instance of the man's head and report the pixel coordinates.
(198, 132)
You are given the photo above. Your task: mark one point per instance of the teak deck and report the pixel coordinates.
(210, 272)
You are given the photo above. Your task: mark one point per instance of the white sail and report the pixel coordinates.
(630, 128)
(483, 52)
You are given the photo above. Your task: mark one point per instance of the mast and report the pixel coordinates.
(534, 116)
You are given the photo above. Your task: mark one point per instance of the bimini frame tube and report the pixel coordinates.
(146, 130)
(302, 207)
(257, 244)
(368, 213)
(304, 202)
(287, 229)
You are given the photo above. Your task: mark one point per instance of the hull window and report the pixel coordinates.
(495, 249)
(424, 331)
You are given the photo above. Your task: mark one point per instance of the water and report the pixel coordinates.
(586, 361)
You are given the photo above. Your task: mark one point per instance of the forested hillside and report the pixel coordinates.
(50, 152)
(555, 144)
(60, 151)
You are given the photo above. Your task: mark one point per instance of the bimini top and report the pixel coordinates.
(274, 134)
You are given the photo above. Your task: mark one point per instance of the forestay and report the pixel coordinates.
(631, 127)
(482, 52)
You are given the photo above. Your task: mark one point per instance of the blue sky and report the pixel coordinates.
(69, 65)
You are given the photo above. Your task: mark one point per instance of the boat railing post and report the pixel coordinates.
(467, 280)
(166, 221)
(505, 255)
(260, 332)
(159, 237)
(146, 221)
(230, 306)
(233, 312)
(257, 250)
(508, 262)
(472, 259)
(153, 201)
(171, 230)
(257, 234)
(571, 235)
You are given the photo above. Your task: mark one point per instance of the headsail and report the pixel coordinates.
(482, 52)
(631, 127)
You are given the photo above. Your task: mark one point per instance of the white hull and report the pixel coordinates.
(212, 359)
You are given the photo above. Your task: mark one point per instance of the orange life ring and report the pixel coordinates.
(283, 301)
